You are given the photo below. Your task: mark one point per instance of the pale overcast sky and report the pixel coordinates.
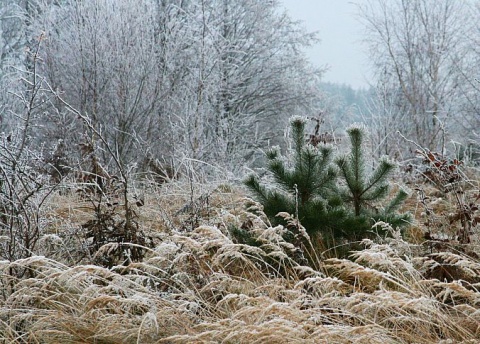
(340, 36)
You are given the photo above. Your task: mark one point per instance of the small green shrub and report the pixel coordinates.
(304, 187)
(360, 190)
(332, 201)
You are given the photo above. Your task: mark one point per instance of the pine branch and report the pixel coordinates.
(298, 134)
(273, 153)
(254, 186)
(356, 162)
(379, 192)
(380, 174)
(346, 173)
(396, 202)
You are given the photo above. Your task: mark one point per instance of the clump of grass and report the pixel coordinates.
(201, 285)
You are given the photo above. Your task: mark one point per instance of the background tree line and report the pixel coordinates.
(425, 60)
(164, 80)
(216, 80)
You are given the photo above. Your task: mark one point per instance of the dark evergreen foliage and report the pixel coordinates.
(362, 190)
(305, 186)
(331, 202)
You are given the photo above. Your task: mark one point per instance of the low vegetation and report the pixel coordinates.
(336, 203)
(216, 269)
(124, 213)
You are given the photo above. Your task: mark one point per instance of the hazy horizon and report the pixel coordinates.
(340, 35)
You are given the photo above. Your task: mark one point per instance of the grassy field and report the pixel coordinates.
(197, 284)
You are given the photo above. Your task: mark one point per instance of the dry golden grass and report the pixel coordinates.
(198, 286)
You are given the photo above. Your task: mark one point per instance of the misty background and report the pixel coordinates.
(157, 83)
(340, 35)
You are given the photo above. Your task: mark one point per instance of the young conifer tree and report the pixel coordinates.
(362, 190)
(305, 186)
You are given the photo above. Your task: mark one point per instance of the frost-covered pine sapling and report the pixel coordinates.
(304, 185)
(362, 190)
